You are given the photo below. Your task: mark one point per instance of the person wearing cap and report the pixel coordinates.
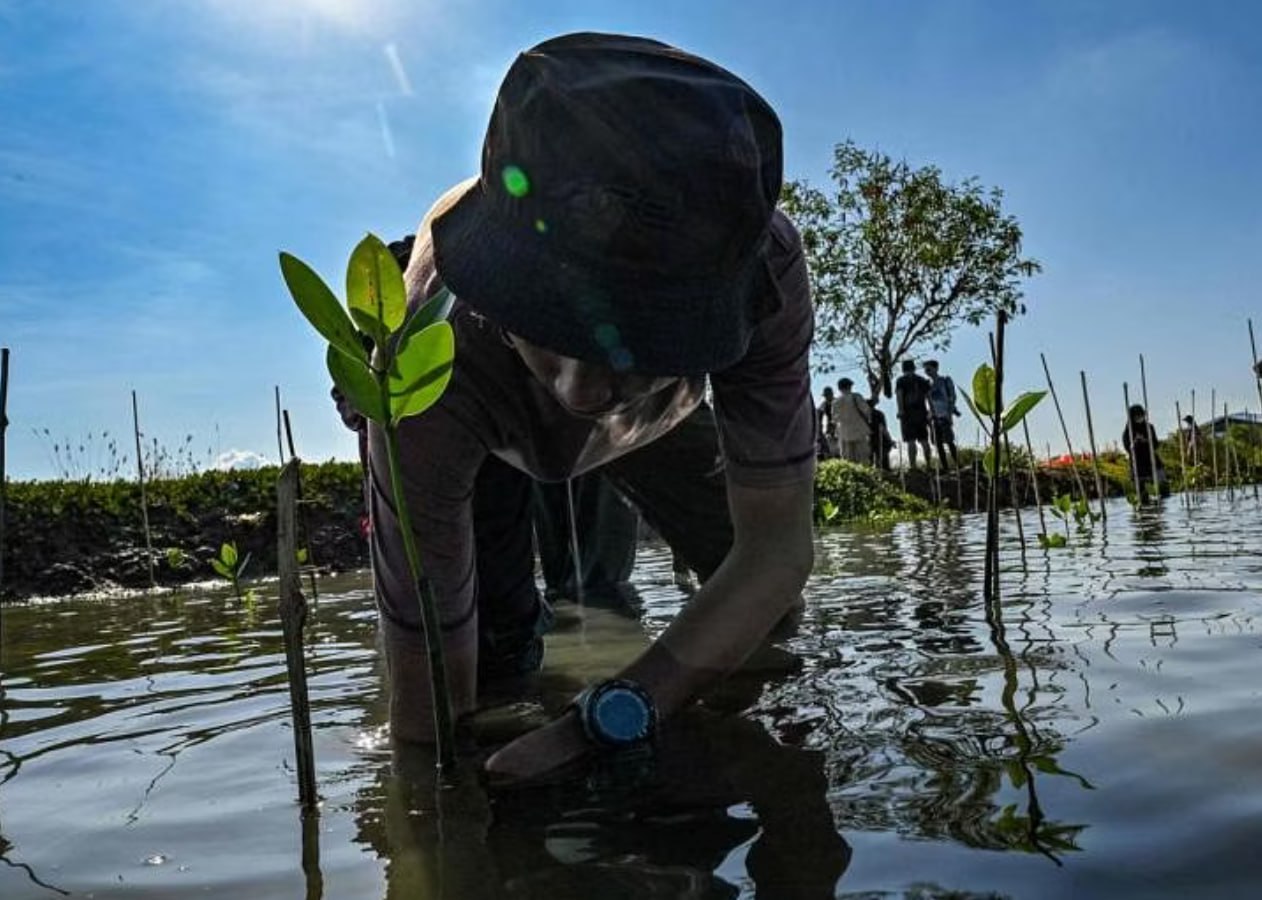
(620, 248)
(942, 410)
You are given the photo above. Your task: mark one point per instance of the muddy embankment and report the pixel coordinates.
(66, 537)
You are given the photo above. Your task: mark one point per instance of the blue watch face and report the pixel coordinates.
(622, 715)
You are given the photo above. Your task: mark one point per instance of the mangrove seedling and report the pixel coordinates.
(1063, 508)
(406, 374)
(1084, 518)
(230, 566)
(982, 405)
(177, 559)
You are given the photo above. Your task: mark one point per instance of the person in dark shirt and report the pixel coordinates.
(911, 392)
(620, 248)
(1140, 440)
(879, 439)
(827, 426)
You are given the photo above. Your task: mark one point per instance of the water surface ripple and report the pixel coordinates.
(1100, 740)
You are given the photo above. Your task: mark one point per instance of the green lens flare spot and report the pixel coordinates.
(607, 336)
(515, 181)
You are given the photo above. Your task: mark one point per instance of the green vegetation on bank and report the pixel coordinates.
(69, 536)
(848, 492)
(75, 535)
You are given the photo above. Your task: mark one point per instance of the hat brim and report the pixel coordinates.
(517, 275)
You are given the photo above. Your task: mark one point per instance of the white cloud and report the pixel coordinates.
(240, 459)
(396, 66)
(1140, 63)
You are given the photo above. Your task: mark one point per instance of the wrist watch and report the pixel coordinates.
(616, 713)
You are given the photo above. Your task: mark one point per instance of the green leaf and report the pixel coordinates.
(354, 379)
(221, 569)
(321, 308)
(1049, 541)
(301, 556)
(421, 370)
(984, 390)
(435, 309)
(988, 461)
(175, 557)
(1016, 774)
(374, 288)
(369, 326)
(1063, 503)
(228, 553)
(1020, 408)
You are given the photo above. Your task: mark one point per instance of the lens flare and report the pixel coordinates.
(515, 181)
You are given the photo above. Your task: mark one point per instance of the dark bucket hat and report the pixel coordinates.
(623, 208)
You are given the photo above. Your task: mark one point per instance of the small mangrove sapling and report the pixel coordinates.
(981, 404)
(230, 565)
(404, 377)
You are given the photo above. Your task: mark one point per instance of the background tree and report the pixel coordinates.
(899, 259)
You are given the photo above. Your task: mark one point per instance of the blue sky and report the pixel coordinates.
(155, 156)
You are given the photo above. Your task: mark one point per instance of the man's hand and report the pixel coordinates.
(721, 625)
(540, 751)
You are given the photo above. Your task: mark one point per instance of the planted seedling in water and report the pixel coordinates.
(1062, 508)
(404, 377)
(982, 405)
(230, 566)
(984, 408)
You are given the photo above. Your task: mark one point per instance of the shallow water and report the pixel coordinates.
(1103, 741)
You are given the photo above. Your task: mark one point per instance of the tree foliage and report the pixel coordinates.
(898, 258)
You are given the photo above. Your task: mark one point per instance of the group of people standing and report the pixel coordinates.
(853, 428)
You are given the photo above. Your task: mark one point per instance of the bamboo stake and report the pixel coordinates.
(1183, 463)
(1253, 455)
(1227, 453)
(977, 475)
(1034, 478)
(1152, 430)
(936, 463)
(293, 616)
(1130, 451)
(1012, 496)
(302, 512)
(1095, 456)
(280, 450)
(574, 552)
(140, 473)
(1257, 373)
(1073, 457)
(1196, 448)
(992, 504)
(4, 425)
(1213, 436)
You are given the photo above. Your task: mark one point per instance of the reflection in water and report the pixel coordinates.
(717, 809)
(958, 755)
